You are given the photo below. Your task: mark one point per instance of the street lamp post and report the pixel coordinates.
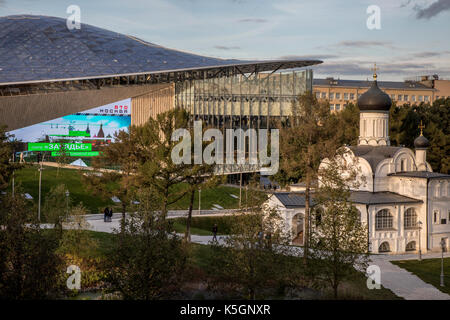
(420, 246)
(40, 183)
(442, 262)
(67, 201)
(199, 201)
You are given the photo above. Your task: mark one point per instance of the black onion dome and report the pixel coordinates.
(374, 99)
(421, 142)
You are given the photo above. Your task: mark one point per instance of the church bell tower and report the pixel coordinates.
(374, 106)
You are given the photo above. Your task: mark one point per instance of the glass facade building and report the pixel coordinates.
(253, 101)
(243, 101)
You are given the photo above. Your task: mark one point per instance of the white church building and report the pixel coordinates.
(403, 203)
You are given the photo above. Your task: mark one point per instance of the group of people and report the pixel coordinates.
(108, 214)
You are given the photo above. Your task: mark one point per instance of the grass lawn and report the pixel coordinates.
(28, 178)
(428, 270)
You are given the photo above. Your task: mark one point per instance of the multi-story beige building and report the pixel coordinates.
(340, 92)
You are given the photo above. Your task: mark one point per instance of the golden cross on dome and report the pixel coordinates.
(374, 69)
(421, 127)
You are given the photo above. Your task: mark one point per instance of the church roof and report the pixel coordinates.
(374, 99)
(292, 199)
(297, 200)
(421, 174)
(374, 154)
(382, 197)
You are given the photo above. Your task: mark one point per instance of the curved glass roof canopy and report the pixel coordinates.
(42, 49)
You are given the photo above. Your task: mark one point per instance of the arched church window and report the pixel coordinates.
(384, 247)
(410, 218)
(411, 246)
(383, 220)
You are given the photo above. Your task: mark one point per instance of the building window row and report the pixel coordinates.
(336, 95)
(397, 97)
(438, 219)
(336, 107)
(384, 220)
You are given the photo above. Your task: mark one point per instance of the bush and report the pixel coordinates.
(224, 223)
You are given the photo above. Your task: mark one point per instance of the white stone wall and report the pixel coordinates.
(397, 237)
(439, 204)
(374, 128)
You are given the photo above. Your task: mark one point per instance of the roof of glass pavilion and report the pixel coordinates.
(37, 49)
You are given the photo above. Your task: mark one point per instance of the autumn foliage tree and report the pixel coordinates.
(313, 135)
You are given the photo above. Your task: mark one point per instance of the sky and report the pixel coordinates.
(413, 38)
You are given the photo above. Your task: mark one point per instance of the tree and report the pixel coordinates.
(201, 177)
(56, 207)
(63, 155)
(154, 145)
(118, 183)
(313, 135)
(348, 130)
(338, 238)
(404, 129)
(7, 168)
(148, 261)
(198, 176)
(29, 266)
(256, 255)
(75, 240)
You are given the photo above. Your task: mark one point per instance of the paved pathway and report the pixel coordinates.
(400, 281)
(405, 284)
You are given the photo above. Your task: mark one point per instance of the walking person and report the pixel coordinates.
(106, 214)
(214, 231)
(269, 241)
(110, 214)
(260, 238)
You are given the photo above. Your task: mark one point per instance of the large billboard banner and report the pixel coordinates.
(98, 125)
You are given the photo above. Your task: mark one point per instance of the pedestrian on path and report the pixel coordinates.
(106, 214)
(110, 214)
(269, 241)
(260, 238)
(214, 231)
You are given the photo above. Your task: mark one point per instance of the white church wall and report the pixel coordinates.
(397, 237)
(404, 160)
(286, 215)
(439, 212)
(381, 176)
